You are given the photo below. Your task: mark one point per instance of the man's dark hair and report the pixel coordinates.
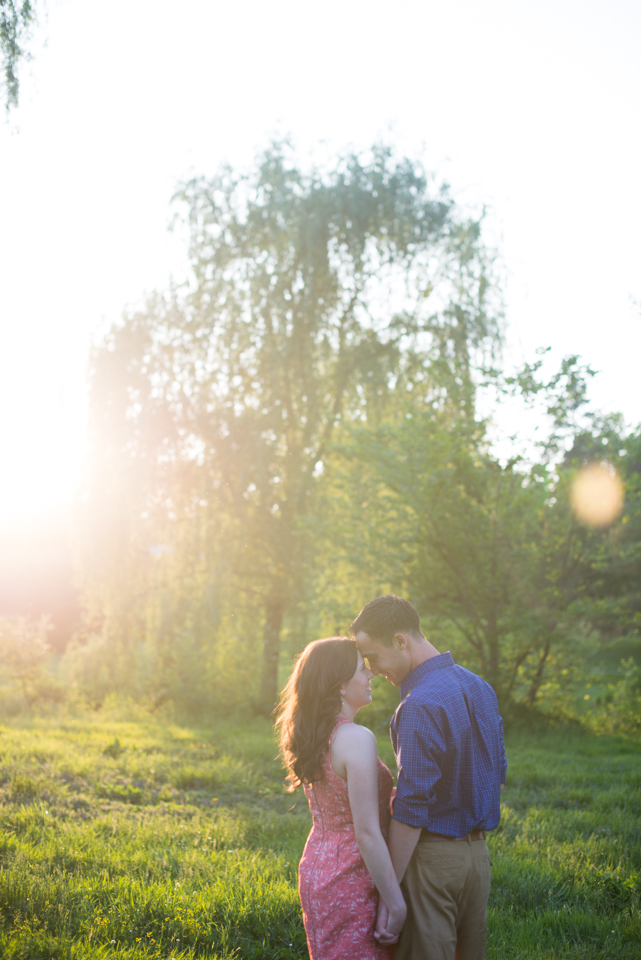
(383, 618)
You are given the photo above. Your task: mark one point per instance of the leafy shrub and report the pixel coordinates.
(621, 710)
(113, 749)
(24, 649)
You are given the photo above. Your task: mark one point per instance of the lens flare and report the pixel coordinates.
(597, 495)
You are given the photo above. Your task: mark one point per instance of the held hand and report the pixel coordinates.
(391, 800)
(396, 921)
(381, 920)
(389, 924)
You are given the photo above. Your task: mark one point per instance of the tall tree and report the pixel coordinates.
(313, 295)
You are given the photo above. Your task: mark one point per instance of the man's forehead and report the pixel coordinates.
(366, 645)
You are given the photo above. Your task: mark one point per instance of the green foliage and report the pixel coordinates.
(24, 651)
(620, 708)
(15, 21)
(615, 575)
(490, 552)
(184, 844)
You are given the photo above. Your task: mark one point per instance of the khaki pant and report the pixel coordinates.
(446, 886)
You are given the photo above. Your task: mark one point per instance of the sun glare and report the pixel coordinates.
(44, 466)
(597, 495)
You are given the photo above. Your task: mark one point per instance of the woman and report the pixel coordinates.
(346, 863)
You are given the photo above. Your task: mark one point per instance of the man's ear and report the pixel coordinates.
(401, 641)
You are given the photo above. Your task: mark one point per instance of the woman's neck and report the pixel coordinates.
(347, 712)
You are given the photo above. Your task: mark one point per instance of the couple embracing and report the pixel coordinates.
(409, 876)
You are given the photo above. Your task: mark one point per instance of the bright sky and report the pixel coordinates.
(533, 109)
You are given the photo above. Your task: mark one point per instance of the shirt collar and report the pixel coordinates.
(428, 666)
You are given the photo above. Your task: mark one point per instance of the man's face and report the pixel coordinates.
(393, 662)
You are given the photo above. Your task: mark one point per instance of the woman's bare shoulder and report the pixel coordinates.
(353, 734)
(353, 746)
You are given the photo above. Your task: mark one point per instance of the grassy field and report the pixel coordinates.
(126, 840)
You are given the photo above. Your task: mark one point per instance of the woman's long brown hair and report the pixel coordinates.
(309, 705)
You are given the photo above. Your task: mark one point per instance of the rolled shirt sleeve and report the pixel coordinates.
(419, 753)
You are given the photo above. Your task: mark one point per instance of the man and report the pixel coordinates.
(448, 739)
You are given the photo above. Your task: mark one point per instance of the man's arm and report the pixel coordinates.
(401, 841)
(420, 748)
(414, 738)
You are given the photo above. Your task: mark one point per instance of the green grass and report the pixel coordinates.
(567, 855)
(156, 841)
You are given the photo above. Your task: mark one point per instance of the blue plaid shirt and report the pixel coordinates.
(448, 739)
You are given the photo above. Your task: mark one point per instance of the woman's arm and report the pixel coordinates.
(353, 756)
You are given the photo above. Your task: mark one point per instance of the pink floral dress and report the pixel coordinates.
(338, 896)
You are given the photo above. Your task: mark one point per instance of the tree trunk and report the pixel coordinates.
(492, 637)
(274, 612)
(538, 676)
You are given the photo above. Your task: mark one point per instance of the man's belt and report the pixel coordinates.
(434, 837)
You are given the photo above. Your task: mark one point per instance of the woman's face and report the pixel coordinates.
(356, 692)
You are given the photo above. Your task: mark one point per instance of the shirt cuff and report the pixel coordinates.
(404, 813)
